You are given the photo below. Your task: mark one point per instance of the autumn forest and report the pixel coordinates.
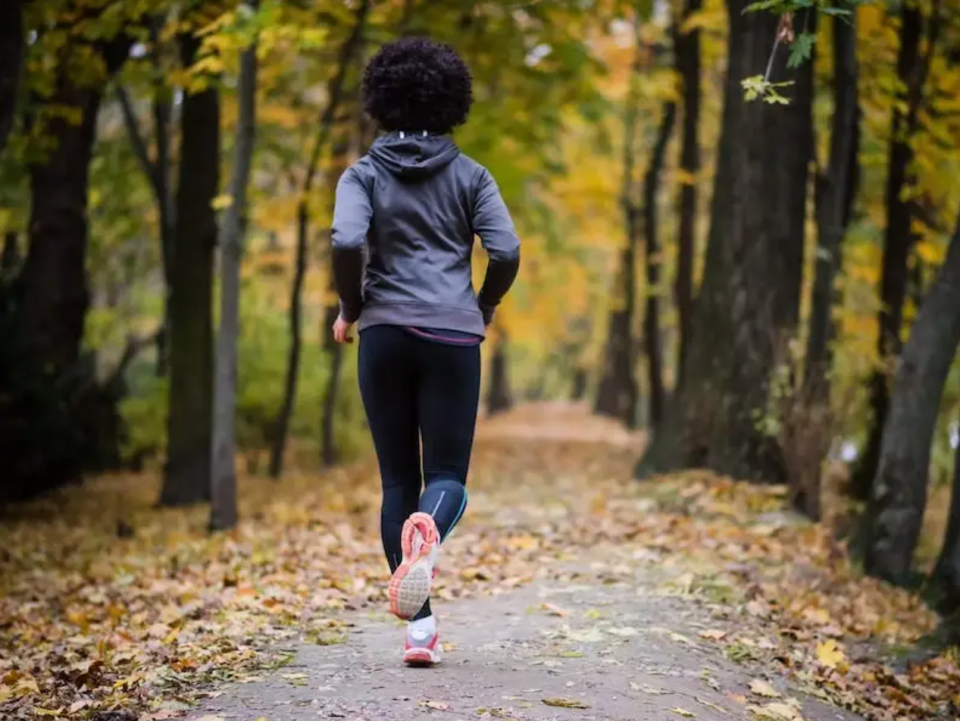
(739, 300)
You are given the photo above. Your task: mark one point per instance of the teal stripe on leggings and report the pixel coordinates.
(463, 505)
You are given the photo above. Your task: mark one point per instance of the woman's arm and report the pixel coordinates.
(492, 222)
(351, 221)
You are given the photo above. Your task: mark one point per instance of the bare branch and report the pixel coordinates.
(137, 141)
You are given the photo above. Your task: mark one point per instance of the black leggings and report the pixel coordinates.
(415, 390)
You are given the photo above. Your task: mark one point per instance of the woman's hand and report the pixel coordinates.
(341, 330)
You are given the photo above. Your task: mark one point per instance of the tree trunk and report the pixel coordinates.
(618, 394)
(12, 53)
(54, 274)
(161, 184)
(499, 394)
(9, 256)
(293, 357)
(348, 52)
(687, 54)
(579, 390)
(947, 573)
(808, 430)
(833, 201)
(329, 455)
(899, 237)
(223, 508)
(158, 174)
(187, 477)
(328, 445)
(340, 161)
(895, 511)
(742, 325)
(651, 321)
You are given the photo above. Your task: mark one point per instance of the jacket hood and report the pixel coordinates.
(413, 156)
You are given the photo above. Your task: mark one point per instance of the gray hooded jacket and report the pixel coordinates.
(409, 210)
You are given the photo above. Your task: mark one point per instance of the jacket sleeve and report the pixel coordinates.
(492, 222)
(351, 220)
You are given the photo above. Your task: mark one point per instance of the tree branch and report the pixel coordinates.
(137, 141)
(347, 51)
(134, 346)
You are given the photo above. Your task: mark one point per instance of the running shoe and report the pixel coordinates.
(422, 648)
(410, 585)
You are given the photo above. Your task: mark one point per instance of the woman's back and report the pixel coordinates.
(416, 202)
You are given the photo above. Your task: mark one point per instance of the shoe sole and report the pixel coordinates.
(410, 584)
(421, 657)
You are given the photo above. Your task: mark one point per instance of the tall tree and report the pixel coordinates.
(156, 170)
(345, 147)
(899, 236)
(223, 474)
(617, 394)
(53, 415)
(833, 198)
(190, 416)
(809, 427)
(899, 492)
(12, 53)
(9, 256)
(651, 321)
(349, 51)
(55, 289)
(947, 573)
(687, 63)
(499, 393)
(748, 305)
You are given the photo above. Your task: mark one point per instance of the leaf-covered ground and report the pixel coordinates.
(112, 610)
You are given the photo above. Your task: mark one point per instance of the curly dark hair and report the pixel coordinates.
(417, 84)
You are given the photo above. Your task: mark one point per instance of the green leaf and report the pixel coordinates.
(835, 11)
(802, 49)
(764, 5)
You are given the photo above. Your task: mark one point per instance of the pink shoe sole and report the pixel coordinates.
(410, 584)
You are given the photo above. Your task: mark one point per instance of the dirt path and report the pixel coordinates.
(600, 634)
(620, 651)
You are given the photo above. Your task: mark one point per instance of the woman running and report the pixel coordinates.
(403, 232)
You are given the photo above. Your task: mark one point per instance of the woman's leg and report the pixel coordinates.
(388, 386)
(449, 395)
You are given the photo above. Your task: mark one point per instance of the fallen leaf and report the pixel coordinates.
(552, 610)
(762, 688)
(777, 711)
(683, 712)
(565, 703)
(713, 634)
(473, 573)
(623, 631)
(830, 654)
(435, 705)
(710, 704)
(651, 690)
